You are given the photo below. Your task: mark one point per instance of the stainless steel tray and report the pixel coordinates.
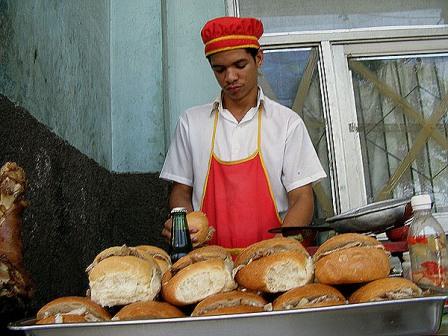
(374, 217)
(419, 316)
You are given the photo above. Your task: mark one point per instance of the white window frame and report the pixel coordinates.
(335, 46)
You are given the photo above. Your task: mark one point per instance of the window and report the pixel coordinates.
(317, 15)
(291, 77)
(401, 105)
(370, 80)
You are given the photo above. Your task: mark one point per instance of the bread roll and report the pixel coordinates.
(120, 280)
(147, 310)
(118, 251)
(309, 296)
(386, 289)
(199, 221)
(274, 265)
(62, 318)
(161, 257)
(350, 258)
(345, 241)
(71, 309)
(201, 273)
(233, 302)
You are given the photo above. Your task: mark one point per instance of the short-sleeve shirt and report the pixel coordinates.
(288, 153)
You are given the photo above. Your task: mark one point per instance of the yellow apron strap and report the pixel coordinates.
(260, 107)
(215, 123)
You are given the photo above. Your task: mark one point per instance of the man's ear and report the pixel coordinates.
(259, 57)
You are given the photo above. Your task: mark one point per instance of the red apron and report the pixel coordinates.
(237, 197)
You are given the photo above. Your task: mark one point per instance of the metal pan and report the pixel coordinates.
(294, 230)
(419, 316)
(373, 218)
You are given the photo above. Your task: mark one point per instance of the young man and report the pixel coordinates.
(244, 160)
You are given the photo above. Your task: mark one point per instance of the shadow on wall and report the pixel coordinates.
(76, 207)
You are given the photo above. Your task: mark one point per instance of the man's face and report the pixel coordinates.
(236, 72)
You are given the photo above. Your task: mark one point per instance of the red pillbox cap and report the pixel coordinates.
(228, 32)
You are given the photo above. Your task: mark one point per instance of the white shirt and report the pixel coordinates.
(287, 150)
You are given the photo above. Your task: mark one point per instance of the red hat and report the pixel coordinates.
(228, 32)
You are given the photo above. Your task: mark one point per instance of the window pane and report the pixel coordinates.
(291, 77)
(401, 105)
(305, 15)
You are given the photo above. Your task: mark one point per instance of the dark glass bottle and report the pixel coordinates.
(180, 235)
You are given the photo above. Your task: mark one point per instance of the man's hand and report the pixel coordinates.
(180, 197)
(166, 232)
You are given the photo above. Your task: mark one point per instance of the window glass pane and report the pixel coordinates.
(401, 105)
(291, 77)
(305, 15)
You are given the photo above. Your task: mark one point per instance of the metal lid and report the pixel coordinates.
(421, 202)
(178, 209)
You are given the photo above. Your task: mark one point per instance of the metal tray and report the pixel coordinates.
(374, 217)
(419, 316)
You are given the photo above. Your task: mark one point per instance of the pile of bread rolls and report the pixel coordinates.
(275, 274)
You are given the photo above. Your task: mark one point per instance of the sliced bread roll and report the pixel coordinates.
(351, 258)
(122, 279)
(274, 265)
(147, 310)
(118, 251)
(161, 257)
(201, 273)
(393, 288)
(71, 309)
(233, 302)
(309, 296)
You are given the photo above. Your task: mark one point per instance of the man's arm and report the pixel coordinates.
(300, 206)
(181, 196)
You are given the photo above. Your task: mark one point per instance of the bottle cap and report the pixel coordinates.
(178, 209)
(421, 202)
(406, 256)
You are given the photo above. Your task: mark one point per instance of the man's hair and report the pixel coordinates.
(252, 51)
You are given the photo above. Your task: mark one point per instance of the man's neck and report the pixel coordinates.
(239, 108)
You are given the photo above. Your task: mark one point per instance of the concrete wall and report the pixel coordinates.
(190, 79)
(98, 74)
(82, 96)
(76, 208)
(137, 86)
(54, 61)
